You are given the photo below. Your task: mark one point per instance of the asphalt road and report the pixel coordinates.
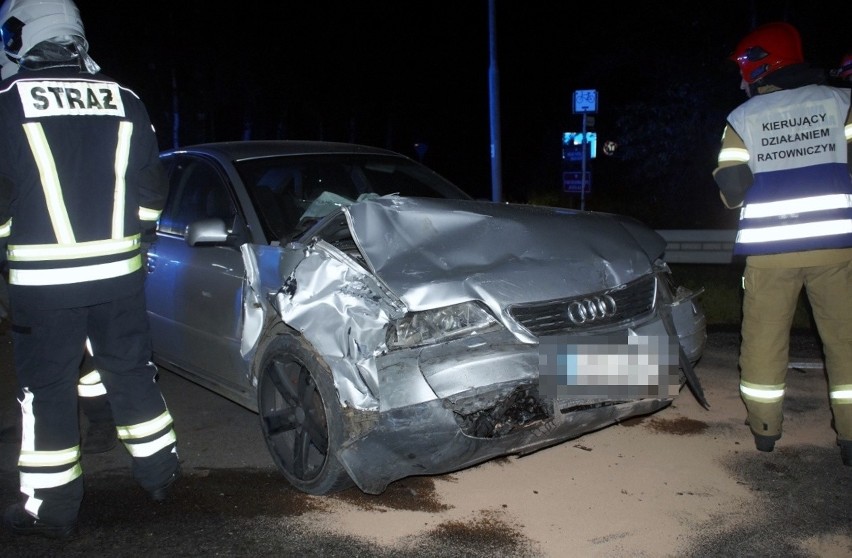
(232, 502)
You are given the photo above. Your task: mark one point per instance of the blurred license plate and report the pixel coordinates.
(632, 366)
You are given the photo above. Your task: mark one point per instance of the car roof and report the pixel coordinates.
(249, 149)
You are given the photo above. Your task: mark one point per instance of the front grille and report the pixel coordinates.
(632, 300)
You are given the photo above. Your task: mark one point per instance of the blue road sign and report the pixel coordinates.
(585, 101)
(572, 182)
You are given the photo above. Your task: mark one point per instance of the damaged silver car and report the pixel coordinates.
(384, 324)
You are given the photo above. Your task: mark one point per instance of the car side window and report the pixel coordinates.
(196, 191)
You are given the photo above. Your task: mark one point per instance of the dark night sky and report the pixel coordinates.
(395, 72)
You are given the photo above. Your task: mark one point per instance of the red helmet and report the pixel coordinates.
(768, 48)
(846, 67)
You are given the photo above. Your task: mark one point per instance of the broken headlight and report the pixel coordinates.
(439, 325)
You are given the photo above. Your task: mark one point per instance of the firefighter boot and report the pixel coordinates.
(162, 493)
(765, 443)
(19, 522)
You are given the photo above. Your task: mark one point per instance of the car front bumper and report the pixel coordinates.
(462, 403)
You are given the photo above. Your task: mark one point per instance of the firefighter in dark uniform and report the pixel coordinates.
(80, 179)
(785, 162)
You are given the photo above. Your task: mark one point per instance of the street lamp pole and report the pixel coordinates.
(494, 99)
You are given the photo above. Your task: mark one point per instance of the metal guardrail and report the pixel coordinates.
(699, 246)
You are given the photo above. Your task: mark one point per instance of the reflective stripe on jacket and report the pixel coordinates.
(80, 168)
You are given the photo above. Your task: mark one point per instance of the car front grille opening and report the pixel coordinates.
(625, 303)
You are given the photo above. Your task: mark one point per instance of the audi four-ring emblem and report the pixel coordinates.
(591, 309)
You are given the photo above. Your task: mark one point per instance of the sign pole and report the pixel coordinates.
(583, 169)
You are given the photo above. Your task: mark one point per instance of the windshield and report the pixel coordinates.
(292, 192)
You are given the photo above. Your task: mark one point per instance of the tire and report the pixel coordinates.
(300, 416)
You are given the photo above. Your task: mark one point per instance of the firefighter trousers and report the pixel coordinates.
(93, 397)
(48, 349)
(769, 304)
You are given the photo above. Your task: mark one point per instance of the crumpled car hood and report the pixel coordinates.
(435, 252)
(430, 253)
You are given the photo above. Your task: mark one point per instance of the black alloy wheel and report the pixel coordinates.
(300, 416)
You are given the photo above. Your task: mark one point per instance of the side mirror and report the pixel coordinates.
(206, 232)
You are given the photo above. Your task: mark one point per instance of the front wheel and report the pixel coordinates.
(300, 416)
